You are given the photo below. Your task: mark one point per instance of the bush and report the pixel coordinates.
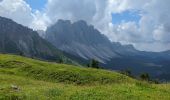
(61, 61)
(145, 76)
(126, 72)
(93, 64)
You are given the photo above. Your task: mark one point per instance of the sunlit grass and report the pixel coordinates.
(37, 80)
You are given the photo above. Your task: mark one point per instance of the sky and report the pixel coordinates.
(37, 4)
(126, 16)
(143, 23)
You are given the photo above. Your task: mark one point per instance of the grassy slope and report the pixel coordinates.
(47, 81)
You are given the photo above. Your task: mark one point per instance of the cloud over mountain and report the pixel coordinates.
(151, 32)
(17, 10)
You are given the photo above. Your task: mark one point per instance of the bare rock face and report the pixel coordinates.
(83, 40)
(80, 40)
(41, 33)
(15, 88)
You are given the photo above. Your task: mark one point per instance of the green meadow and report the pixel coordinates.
(23, 78)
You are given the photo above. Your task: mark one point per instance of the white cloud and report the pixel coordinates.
(40, 21)
(88, 10)
(152, 32)
(22, 13)
(153, 27)
(18, 10)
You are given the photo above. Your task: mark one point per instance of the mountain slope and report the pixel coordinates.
(17, 39)
(85, 42)
(80, 40)
(29, 79)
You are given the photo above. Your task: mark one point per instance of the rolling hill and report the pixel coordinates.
(29, 79)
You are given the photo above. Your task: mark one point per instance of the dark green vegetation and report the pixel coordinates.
(28, 79)
(145, 76)
(93, 64)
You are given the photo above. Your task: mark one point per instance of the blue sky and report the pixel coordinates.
(36, 4)
(125, 17)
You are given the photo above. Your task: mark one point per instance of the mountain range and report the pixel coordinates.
(18, 39)
(80, 42)
(85, 42)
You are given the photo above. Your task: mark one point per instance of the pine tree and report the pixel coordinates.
(93, 63)
(145, 76)
(61, 61)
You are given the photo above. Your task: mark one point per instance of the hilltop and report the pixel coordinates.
(30, 79)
